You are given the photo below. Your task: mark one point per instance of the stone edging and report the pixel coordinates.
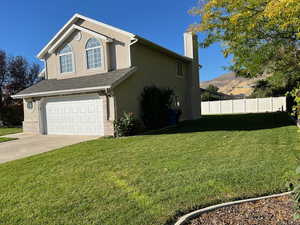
(184, 219)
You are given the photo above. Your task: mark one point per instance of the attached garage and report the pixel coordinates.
(74, 115)
(83, 105)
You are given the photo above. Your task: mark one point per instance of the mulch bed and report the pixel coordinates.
(272, 211)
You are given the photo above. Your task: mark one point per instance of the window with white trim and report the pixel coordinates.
(93, 53)
(66, 59)
(180, 72)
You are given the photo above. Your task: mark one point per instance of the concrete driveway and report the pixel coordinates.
(27, 145)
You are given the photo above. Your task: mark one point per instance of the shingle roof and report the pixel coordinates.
(94, 81)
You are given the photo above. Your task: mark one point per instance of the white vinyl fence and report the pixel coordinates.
(250, 105)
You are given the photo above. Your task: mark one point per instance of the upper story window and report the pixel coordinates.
(66, 60)
(93, 53)
(180, 69)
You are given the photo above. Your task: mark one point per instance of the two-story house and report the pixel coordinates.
(94, 72)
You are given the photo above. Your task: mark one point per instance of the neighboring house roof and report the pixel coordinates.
(68, 27)
(77, 85)
(218, 94)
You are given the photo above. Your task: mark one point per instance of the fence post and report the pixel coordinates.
(257, 105)
(285, 104)
(220, 107)
(232, 109)
(245, 110)
(272, 109)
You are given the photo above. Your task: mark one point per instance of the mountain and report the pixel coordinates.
(230, 84)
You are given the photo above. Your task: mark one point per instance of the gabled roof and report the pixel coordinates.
(71, 30)
(68, 27)
(69, 24)
(76, 85)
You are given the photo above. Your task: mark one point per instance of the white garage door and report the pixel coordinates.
(81, 115)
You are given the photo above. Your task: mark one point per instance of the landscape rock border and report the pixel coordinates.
(186, 218)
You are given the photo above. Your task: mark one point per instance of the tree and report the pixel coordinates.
(262, 89)
(210, 93)
(261, 35)
(212, 88)
(21, 74)
(3, 74)
(156, 104)
(16, 74)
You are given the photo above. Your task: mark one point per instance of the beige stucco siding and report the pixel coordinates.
(115, 54)
(154, 68)
(119, 49)
(31, 116)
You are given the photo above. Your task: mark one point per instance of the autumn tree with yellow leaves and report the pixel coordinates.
(261, 35)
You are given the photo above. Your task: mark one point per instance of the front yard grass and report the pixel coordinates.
(6, 131)
(152, 179)
(3, 139)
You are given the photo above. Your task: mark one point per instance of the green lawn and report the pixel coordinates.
(6, 131)
(151, 179)
(3, 139)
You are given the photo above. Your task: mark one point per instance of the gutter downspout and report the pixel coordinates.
(46, 69)
(41, 102)
(135, 40)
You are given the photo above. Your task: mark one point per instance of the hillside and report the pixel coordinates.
(231, 85)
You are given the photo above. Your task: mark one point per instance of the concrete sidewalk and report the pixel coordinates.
(28, 145)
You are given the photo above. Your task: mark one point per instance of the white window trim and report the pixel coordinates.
(102, 56)
(73, 61)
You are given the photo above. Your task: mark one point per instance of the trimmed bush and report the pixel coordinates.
(127, 125)
(156, 105)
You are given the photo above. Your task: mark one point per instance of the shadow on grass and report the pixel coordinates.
(237, 122)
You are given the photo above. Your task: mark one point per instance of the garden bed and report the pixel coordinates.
(271, 211)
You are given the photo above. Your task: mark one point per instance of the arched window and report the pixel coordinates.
(93, 53)
(66, 59)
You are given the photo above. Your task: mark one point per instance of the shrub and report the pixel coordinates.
(295, 94)
(12, 115)
(296, 108)
(296, 195)
(127, 125)
(294, 102)
(156, 104)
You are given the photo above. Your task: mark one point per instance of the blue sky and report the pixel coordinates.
(26, 26)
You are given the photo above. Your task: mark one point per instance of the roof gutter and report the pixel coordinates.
(77, 90)
(61, 92)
